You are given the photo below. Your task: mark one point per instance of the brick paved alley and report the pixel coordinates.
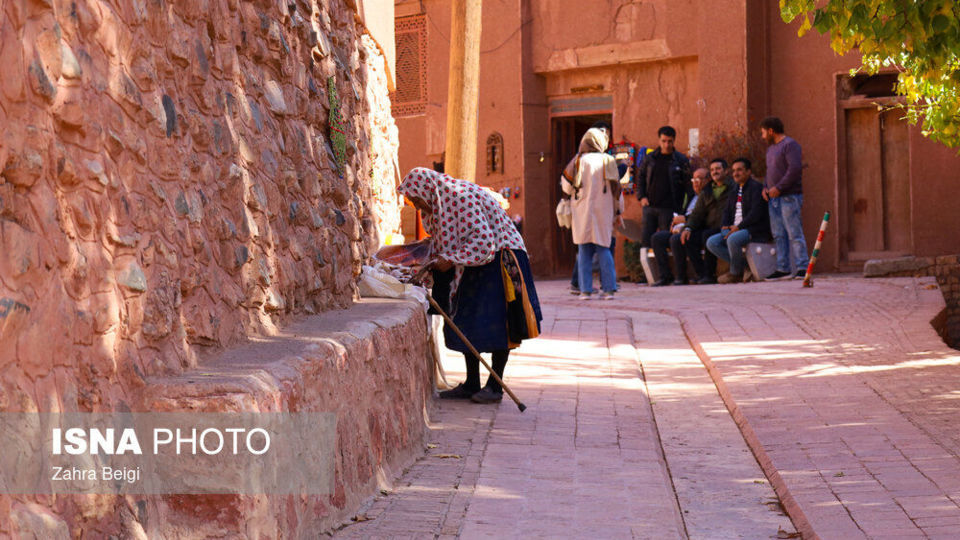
(843, 392)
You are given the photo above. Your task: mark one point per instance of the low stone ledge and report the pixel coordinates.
(897, 266)
(369, 364)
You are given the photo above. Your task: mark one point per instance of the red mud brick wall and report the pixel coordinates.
(167, 183)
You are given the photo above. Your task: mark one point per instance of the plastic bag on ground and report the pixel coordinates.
(376, 284)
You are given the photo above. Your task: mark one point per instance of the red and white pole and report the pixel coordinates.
(807, 282)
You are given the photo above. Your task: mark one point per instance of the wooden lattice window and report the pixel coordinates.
(411, 95)
(495, 153)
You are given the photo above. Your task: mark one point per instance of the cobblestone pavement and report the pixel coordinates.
(586, 460)
(844, 393)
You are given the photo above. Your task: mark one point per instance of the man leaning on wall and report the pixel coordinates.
(783, 189)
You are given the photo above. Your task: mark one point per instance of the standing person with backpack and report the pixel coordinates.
(593, 183)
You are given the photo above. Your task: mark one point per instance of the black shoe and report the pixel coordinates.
(730, 278)
(778, 275)
(680, 282)
(487, 396)
(460, 392)
(707, 280)
(661, 282)
(801, 274)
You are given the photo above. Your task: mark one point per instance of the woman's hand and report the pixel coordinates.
(420, 275)
(442, 265)
(439, 264)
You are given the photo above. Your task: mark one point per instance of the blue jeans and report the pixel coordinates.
(608, 277)
(575, 277)
(730, 249)
(787, 228)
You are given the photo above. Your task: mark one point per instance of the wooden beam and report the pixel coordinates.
(463, 90)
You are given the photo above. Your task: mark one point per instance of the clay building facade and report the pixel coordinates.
(550, 68)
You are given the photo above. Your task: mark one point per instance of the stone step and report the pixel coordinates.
(370, 365)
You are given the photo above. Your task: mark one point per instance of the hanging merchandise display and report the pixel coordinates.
(628, 156)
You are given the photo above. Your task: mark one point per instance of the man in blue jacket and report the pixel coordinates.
(745, 220)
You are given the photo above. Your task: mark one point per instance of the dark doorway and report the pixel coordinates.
(566, 132)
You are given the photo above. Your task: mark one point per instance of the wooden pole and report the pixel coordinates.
(463, 89)
(470, 347)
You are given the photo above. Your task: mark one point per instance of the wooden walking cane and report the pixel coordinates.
(473, 351)
(807, 282)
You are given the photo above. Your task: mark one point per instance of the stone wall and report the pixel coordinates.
(167, 182)
(947, 271)
(168, 187)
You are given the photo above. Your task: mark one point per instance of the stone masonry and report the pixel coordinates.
(168, 187)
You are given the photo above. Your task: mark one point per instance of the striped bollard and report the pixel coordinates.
(807, 282)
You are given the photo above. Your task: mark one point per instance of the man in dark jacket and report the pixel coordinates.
(705, 221)
(745, 220)
(662, 180)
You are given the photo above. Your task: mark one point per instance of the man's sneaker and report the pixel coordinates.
(730, 278)
(779, 276)
(606, 296)
(801, 274)
(707, 280)
(584, 296)
(574, 290)
(662, 282)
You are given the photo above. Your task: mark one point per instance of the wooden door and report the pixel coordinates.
(564, 148)
(877, 184)
(896, 182)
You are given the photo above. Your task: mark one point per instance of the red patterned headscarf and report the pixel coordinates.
(467, 224)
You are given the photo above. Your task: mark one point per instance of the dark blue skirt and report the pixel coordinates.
(481, 305)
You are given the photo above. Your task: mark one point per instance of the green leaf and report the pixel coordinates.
(920, 38)
(940, 23)
(859, 16)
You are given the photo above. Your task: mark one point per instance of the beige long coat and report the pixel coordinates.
(593, 206)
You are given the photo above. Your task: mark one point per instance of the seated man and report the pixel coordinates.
(745, 219)
(661, 239)
(705, 221)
